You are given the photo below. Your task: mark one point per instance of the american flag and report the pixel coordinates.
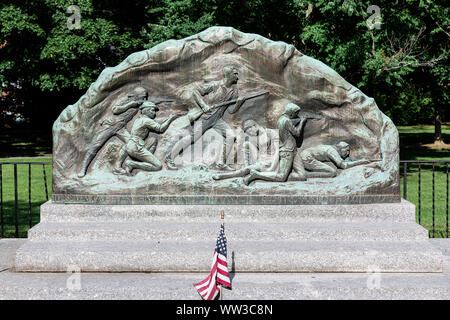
(209, 288)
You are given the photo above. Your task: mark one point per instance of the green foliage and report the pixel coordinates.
(176, 19)
(48, 65)
(58, 56)
(403, 64)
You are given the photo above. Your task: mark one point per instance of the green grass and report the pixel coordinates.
(412, 140)
(24, 146)
(38, 195)
(426, 196)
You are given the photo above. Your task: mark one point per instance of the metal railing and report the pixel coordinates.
(432, 212)
(4, 167)
(438, 205)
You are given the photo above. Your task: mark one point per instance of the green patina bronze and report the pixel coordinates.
(224, 117)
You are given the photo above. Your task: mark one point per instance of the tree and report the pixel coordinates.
(54, 63)
(403, 64)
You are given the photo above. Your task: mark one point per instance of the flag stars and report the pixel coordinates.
(221, 245)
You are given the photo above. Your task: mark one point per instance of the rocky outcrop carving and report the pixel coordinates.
(205, 88)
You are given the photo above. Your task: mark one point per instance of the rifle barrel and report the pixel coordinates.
(249, 96)
(164, 100)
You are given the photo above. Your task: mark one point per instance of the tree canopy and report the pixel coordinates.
(399, 57)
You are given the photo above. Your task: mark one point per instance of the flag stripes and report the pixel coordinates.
(209, 287)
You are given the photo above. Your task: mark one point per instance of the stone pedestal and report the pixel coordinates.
(181, 238)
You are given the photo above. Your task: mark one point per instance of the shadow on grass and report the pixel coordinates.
(23, 214)
(31, 144)
(411, 146)
(23, 143)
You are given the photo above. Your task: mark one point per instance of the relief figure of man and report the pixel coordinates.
(141, 156)
(123, 112)
(314, 159)
(251, 152)
(206, 116)
(289, 160)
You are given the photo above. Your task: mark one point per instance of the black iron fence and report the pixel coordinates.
(24, 186)
(426, 184)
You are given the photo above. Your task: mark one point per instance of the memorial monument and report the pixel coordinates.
(304, 164)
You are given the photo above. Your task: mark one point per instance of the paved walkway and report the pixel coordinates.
(263, 286)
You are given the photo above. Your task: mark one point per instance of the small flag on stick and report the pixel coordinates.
(219, 276)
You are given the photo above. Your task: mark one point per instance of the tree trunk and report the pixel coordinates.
(438, 125)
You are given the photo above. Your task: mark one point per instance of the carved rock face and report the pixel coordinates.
(94, 135)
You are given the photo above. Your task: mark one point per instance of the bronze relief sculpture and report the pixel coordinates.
(188, 121)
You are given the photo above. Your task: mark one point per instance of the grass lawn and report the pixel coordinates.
(426, 198)
(413, 141)
(412, 147)
(38, 194)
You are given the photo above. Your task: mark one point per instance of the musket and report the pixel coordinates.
(163, 100)
(370, 160)
(306, 116)
(225, 103)
(246, 97)
(222, 104)
(211, 120)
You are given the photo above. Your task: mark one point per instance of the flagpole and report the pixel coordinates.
(222, 216)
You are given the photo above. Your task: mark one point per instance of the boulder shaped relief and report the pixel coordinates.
(224, 117)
